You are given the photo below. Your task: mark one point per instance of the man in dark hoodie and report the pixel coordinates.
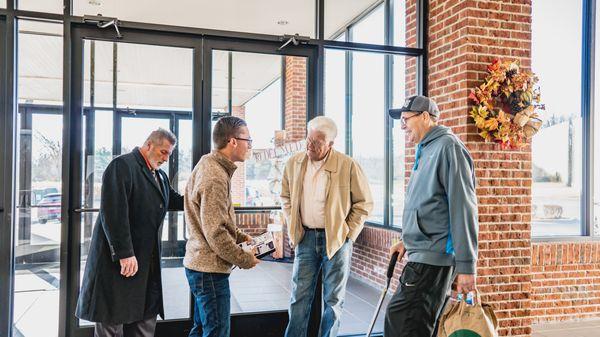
(439, 223)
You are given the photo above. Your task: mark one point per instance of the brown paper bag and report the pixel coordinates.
(462, 320)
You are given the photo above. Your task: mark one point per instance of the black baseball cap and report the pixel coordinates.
(416, 104)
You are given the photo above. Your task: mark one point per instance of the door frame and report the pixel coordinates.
(247, 324)
(8, 122)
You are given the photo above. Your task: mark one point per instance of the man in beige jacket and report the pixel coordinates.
(212, 249)
(326, 199)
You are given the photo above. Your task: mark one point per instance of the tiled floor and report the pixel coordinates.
(264, 288)
(570, 329)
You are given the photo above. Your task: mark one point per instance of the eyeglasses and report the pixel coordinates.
(249, 140)
(403, 120)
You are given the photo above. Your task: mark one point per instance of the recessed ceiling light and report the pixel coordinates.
(282, 22)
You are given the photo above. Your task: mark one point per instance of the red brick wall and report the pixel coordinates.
(565, 281)
(295, 98)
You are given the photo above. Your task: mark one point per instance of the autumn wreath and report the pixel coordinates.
(507, 104)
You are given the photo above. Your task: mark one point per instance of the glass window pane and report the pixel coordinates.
(368, 88)
(557, 148)
(40, 63)
(38, 180)
(156, 94)
(47, 6)
(404, 85)
(370, 29)
(339, 14)
(98, 63)
(257, 96)
(273, 103)
(162, 81)
(335, 93)
(275, 17)
(404, 14)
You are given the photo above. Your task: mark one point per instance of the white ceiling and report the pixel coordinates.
(161, 77)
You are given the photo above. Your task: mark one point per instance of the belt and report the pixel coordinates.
(313, 229)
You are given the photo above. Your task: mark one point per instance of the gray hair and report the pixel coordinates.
(325, 125)
(157, 136)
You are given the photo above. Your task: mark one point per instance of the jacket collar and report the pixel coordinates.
(227, 164)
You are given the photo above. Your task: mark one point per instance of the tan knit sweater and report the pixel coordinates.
(213, 236)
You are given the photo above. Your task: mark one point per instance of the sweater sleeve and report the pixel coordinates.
(214, 214)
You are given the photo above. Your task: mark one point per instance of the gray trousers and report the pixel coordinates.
(143, 328)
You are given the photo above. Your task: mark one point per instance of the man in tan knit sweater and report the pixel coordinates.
(212, 249)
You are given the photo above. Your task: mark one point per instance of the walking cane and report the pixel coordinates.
(390, 273)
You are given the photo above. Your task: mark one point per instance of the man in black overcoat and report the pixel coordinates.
(121, 289)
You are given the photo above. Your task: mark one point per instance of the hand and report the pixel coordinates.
(248, 238)
(465, 283)
(129, 266)
(399, 247)
(254, 262)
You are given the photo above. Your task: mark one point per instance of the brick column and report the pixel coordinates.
(465, 36)
(295, 98)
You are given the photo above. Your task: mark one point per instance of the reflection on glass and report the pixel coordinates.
(37, 221)
(557, 147)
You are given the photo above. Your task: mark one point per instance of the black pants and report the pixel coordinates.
(143, 328)
(415, 307)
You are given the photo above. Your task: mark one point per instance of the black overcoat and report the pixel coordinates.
(132, 210)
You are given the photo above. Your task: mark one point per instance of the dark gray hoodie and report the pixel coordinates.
(439, 225)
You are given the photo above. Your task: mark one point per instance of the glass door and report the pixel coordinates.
(122, 90)
(270, 89)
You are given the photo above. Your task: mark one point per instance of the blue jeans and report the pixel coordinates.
(211, 303)
(311, 256)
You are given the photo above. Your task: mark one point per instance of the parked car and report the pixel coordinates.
(49, 208)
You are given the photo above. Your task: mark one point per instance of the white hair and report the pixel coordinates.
(325, 125)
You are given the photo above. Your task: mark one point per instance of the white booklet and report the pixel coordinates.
(263, 243)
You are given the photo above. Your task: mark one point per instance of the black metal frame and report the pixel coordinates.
(201, 41)
(7, 169)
